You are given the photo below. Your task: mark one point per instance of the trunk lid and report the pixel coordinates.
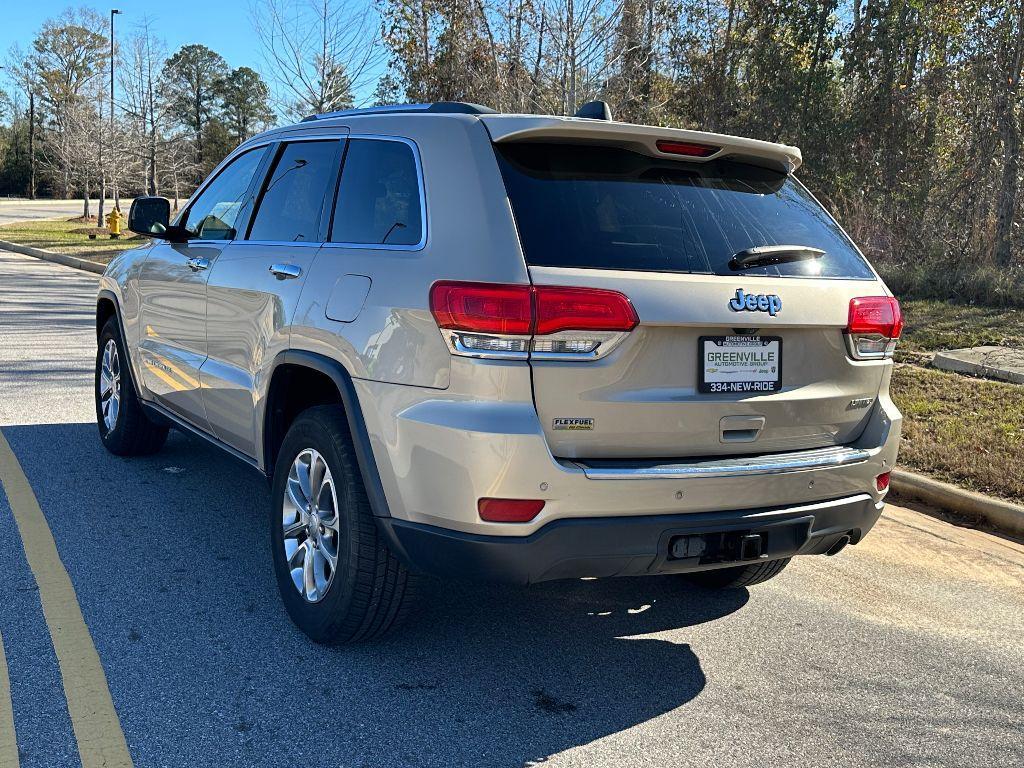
(664, 233)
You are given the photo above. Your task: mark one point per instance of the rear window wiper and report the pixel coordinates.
(765, 255)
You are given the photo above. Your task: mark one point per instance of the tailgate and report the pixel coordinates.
(725, 359)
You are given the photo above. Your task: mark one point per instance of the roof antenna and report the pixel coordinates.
(595, 110)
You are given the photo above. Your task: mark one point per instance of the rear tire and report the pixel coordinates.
(319, 497)
(739, 576)
(124, 427)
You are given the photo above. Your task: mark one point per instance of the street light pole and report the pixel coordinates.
(113, 157)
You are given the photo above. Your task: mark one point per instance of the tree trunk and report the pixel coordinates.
(1006, 206)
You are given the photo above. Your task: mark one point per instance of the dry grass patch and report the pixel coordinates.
(935, 325)
(965, 431)
(68, 236)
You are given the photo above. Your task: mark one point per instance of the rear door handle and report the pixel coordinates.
(285, 271)
(197, 263)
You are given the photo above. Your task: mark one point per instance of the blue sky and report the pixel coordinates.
(223, 25)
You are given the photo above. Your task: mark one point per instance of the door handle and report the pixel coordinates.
(197, 263)
(285, 271)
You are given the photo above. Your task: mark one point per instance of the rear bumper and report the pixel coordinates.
(626, 546)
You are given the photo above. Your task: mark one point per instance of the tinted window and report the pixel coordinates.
(212, 215)
(608, 208)
(291, 204)
(379, 195)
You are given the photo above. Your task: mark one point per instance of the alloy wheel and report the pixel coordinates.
(110, 385)
(310, 524)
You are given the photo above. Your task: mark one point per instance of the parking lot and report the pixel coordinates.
(904, 650)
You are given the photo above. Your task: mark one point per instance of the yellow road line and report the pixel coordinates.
(8, 740)
(101, 742)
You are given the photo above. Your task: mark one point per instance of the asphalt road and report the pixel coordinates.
(12, 210)
(904, 650)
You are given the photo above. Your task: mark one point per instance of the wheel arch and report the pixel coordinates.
(315, 369)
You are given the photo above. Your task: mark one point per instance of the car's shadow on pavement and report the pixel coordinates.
(169, 557)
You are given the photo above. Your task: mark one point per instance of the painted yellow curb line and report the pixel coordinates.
(101, 742)
(8, 739)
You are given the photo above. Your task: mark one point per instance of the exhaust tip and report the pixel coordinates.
(839, 546)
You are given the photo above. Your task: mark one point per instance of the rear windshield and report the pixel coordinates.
(608, 208)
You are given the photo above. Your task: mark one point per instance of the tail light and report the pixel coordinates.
(874, 325)
(518, 321)
(509, 510)
(882, 482)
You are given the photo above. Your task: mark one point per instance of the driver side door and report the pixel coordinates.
(172, 287)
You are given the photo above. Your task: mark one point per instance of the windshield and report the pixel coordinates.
(603, 207)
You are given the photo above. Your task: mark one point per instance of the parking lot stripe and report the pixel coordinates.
(8, 739)
(101, 742)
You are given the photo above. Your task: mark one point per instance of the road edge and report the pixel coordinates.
(1005, 516)
(60, 258)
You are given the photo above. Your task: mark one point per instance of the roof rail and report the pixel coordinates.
(438, 107)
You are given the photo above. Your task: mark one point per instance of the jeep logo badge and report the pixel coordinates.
(749, 302)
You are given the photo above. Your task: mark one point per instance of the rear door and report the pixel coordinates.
(255, 285)
(727, 358)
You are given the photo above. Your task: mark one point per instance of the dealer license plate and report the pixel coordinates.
(740, 363)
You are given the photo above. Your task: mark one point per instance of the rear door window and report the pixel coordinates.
(292, 202)
(379, 195)
(603, 207)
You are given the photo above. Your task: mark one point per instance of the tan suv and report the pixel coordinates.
(510, 347)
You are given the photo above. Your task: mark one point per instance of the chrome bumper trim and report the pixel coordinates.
(770, 464)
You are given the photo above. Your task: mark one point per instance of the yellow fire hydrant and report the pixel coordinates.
(114, 221)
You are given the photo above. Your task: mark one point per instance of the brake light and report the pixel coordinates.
(497, 320)
(882, 482)
(873, 326)
(509, 510)
(482, 307)
(686, 148)
(582, 309)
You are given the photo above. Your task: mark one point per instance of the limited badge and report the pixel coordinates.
(572, 424)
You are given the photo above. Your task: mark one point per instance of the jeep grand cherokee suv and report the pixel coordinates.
(509, 347)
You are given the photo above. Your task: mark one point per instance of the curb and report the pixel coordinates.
(1005, 516)
(59, 258)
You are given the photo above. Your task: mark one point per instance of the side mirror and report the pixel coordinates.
(150, 216)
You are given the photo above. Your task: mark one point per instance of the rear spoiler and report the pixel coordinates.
(640, 138)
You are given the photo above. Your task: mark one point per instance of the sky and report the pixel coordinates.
(222, 25)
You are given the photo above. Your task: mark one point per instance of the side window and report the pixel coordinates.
(293, 200)
(212, 215)
(379, 195)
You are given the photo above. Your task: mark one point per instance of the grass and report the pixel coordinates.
(67, 236)
(934, 325)
(965, 431)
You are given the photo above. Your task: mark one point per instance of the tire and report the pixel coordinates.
(367, 592)
(124, 428)
(740, 576)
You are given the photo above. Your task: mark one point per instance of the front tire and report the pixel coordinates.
(124, 428)
(338, 580)
(739, 576)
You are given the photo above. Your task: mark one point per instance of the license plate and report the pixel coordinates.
(740, 363)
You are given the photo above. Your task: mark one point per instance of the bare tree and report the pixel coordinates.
(319, 51)
(145, 112)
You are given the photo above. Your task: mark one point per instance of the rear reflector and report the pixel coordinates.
(882, 481)
(874, 323)
(509, 510)
(687, 148)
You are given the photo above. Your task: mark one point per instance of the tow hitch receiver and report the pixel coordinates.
(719, 547)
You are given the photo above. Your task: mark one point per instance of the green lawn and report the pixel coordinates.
(965, 431)
(61, 236)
